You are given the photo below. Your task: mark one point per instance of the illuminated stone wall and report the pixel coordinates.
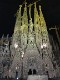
(30, 48)
(32, 39)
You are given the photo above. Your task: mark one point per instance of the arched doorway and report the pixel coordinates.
(34, 71)
(30, 72)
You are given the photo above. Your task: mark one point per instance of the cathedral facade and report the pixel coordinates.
(29, 50)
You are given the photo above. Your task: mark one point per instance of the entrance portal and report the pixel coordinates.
(32, 72)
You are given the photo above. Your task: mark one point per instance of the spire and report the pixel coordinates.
(18, 20)
(42, 20)
(30, 21)
(44, 34)
(36, 16)
(36, 19)
(24, 27)
(16, 35)
(43, 24)
(24, 17)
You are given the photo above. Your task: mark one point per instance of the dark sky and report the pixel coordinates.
(8, 8)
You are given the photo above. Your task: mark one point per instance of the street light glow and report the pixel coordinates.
(22, 55)
(17, 78)
(41, 46)
(16, 68)
(44, 45)
(15, 45)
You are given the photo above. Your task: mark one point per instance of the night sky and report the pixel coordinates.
(8, 9)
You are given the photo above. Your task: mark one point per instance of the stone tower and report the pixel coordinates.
(32, 49)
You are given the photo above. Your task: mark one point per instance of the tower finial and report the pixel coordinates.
(20, 6)
(40, 8)
(25, 3)
(25, 6)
